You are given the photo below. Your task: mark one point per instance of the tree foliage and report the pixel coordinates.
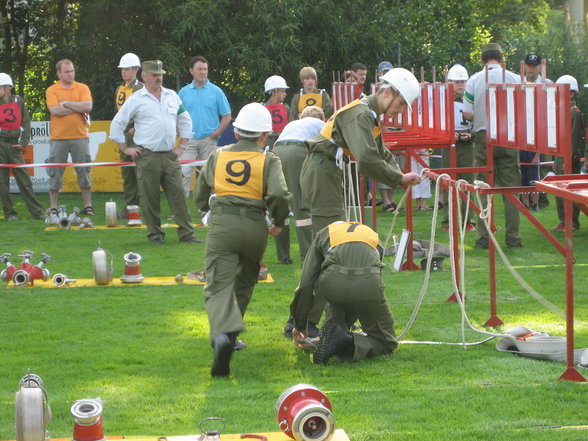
(246, 41)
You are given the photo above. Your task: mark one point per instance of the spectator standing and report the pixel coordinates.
(506, 161)
(210, 112)
(69, 104)
(577, 136)
(158, 114)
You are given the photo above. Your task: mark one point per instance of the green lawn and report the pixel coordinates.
(145, 351)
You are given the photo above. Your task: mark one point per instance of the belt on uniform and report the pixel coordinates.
(357, 271)
(239, 211)
(8, 141)
(284, 141)
(321, 156)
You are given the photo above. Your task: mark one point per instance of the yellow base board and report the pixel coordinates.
(151, 281)
(339, 435)
(118, 227)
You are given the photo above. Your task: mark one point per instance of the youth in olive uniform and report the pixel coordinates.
(129, 66)
(15, 134)
(354, 130)
(291, 149)
(275, 90)
(507, 172)
(464, 141)
(238, 184)
(344, 265)
(309, 95)
(577, 136)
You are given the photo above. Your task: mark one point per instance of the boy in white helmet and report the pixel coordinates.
(464, 140)
(275, 91)
(577, 136)
(15, 133)
(354, 130)
(129, 65)
(238, 184)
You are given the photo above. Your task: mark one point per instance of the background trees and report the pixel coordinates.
(246, 41)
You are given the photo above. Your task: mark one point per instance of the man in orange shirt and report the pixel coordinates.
(69, 103)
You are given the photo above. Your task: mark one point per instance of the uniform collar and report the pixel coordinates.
(143, 91)
(245, 144)
(372, 104)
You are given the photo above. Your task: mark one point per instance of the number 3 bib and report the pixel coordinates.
(239, 174)
(10, 116)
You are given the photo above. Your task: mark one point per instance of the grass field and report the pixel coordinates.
(144, 350)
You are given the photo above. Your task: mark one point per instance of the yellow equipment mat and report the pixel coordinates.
(339, 435)
(151, 281)
(117, 227)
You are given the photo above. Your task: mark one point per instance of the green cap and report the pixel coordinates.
(491, 47)
(153, 66)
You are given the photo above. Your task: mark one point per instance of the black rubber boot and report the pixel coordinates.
(288, 328)
(313, 331)
(334, 340)
(223, 349)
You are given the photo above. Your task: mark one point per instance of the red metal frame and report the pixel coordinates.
(428, 123)
(541, 124)
(344, 93)
(573, 188)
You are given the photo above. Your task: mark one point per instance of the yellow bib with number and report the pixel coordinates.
(310, 99)
(344, 232)
(327, 130)
(239, 174)
(123, 94)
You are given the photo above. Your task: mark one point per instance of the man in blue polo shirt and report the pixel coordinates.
(210, 112)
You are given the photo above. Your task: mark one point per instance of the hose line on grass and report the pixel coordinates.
(454, 276)
(542, 300)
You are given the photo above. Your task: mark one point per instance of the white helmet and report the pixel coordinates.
(457, 73)
(253, 118)
(568, 79)
(129, 60)
(275, 82)
(5, 80)
(404, 82)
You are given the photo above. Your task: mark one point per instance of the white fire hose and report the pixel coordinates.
(32, 411)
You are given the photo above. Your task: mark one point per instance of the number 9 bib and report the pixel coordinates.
(239, 174)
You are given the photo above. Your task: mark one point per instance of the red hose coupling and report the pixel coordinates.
(87, 420)
(7, 272)
(304, 414)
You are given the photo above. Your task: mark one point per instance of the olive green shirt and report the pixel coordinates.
(354, 129)
(19, 136)
(320, 256)
(275, 191)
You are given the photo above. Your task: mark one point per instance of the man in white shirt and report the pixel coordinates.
(507, 172)
(158, 114)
